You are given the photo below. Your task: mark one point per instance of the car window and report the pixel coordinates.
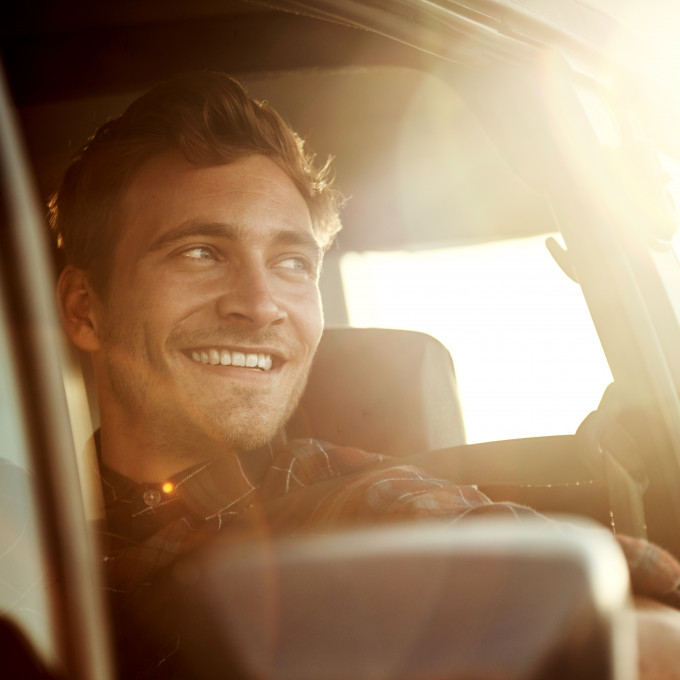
(24, 574)
(527, 358)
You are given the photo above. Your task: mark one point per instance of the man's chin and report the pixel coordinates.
(243, 420)
(248, 429)
(240, 442)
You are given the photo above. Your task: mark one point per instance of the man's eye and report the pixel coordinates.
(199, 253)
(301, 264)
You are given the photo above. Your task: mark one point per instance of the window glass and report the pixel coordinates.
(23, 571)
(671, 168)
(527, 357)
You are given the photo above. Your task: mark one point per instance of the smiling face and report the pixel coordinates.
(207, 330)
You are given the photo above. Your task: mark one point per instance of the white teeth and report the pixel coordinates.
(215, 357)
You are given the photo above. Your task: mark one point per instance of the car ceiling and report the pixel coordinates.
(417, 167)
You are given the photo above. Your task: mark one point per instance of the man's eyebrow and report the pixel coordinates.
(231, 232)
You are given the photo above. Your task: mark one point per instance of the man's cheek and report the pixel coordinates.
(315, 321)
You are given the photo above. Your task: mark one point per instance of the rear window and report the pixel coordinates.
(527, 357)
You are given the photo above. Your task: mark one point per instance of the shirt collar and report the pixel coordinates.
(219, 487)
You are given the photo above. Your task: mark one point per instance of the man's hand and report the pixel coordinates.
(658, 640)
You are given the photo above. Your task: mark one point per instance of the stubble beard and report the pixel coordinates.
(243, 421)
(252, 423)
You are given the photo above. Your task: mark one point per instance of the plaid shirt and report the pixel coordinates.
(308, 485)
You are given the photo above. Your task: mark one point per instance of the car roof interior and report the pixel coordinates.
(411, 158)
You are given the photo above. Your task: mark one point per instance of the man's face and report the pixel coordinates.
(212, 313)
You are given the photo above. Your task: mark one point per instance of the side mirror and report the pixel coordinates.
(482, 599)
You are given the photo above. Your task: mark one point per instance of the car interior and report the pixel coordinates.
(448, 132)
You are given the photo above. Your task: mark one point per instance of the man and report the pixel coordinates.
(194, 227)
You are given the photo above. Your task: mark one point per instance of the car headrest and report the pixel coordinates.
(382, 390)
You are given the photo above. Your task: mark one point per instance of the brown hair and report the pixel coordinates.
(211, 120)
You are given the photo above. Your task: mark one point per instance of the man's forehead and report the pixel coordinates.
(170, 195)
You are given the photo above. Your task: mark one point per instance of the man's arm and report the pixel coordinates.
(658, 628)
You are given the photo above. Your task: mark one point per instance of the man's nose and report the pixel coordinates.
(249, 297)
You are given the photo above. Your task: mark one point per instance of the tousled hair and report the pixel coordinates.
(209, 118)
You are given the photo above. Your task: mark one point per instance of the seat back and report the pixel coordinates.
(382, 390)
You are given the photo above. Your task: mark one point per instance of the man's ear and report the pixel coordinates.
(76, 305)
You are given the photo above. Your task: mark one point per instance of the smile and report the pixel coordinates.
(225, 357)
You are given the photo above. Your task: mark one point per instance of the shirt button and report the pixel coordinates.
(152, 497)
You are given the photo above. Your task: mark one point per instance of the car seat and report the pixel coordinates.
(382, 390)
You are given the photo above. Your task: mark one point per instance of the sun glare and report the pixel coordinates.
(528, 361)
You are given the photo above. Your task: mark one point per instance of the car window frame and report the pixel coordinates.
(80, 624)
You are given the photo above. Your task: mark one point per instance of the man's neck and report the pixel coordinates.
(145, 454)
